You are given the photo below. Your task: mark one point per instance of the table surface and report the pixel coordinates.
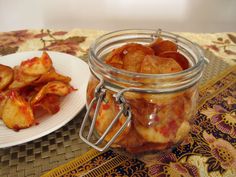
(41, 155)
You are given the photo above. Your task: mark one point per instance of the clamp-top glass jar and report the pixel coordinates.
(136, 111)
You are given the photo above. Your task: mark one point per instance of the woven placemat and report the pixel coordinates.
(39, 156)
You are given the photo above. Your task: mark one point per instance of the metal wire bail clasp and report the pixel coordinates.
(99, 95)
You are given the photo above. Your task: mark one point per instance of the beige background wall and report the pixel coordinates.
(171, 15)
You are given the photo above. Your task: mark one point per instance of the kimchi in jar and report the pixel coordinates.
(147, 80)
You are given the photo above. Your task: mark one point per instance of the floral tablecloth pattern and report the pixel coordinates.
(77, 41)
(210, 148)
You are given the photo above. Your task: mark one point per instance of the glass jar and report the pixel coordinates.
(135, 111)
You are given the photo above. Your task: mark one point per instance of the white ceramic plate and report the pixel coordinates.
(70, 106)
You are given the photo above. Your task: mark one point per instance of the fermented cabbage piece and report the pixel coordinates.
(52, 75)
(162, 123)
(37, 66)
(6, 76)
(107, 113)
(128, 57)
(151, 134)
(160, 46)
(21, 79)
(3, 99)
(49, 104)
(17, 113)
(157, 65)
(183, 131)
(178, 57)
(54, 87)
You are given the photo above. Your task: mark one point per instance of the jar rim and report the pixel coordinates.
(152, 32)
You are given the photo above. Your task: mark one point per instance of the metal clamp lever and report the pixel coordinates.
(99, 95)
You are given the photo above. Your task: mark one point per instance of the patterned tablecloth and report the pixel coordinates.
(208, 151)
